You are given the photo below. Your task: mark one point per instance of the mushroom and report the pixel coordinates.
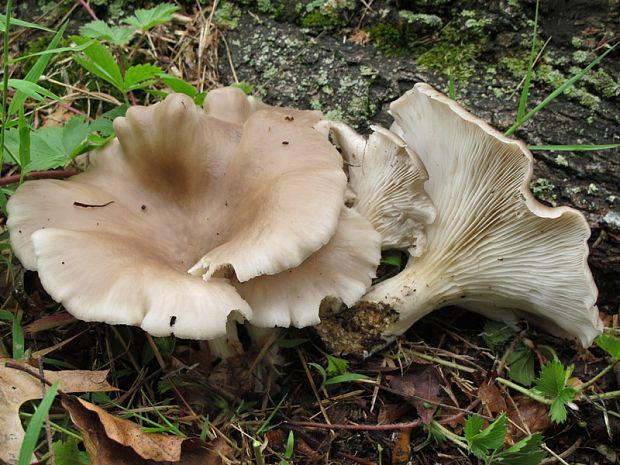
(177, 190)
(387, 179)
(493, 247)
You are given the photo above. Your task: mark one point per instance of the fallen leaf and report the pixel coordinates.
(110, 440)
(527, 414)
(419, 386)
(492, 399)
(17, 387)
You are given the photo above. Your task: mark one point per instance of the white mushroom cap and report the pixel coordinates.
(233, 105)
(493, 248)
(387, 178)
(114, 243)
(344, 269)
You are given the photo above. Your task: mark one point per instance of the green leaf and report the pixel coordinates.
(24, 139)
(521, 365)
(336, 366)
(178, 85)
(31, 89)
(527, 451)
(54, 147)
(552, 379)
(344, 378)
(496, 334)
(148, 19)
(246, 87)
(290, 343)
(557, 411)
(6, 315)
(36, 423)
(37, 69)
(473, 425)
(20, 23)
(290, 445)
(140, 76)
(391, 257)
(99, 29)
(609, 344)
(100, 62)
(66, 452)
(492, 437)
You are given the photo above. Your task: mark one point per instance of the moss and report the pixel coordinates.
(602, 83)
(560, 160)
(227, 16)
(317, 19)
(388, 39)
(456, 60)
(542, 189)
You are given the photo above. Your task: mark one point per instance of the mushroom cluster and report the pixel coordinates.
(195, 218)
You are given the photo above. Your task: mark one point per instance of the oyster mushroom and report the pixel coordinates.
(180, 190)
(493, 247)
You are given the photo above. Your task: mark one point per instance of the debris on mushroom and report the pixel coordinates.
(181, 190)
(493, 247)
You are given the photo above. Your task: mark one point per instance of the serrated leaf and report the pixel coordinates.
(557, 411)
(100, 62)
(552, 379)
(528, 451)
(609, 344)
(473, 425)
(148, 19)
(492, 437)
(139, 76)
(178, 85)
(521, 365)
(99, 29)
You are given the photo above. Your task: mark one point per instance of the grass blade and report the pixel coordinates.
(5, 70)
(573, 148)
(530, 68)
(20, 23)
(35, 425)
(36, 71)
(553, 95)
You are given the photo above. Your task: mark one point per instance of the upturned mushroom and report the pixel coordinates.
(493, 248)
(180, 189)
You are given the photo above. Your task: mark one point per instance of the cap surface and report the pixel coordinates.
(175, 188)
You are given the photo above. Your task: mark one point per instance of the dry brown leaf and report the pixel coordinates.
(17, 387)
(419, 386)
(527, 414)
(492, 399)
(110, 440)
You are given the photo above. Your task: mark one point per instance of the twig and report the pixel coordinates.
(50, 174)
(31, 372)
(313, 385)
(390, 426)
(598, 376)
(567, 453)
(525, 391)
(89, 9)
(441, 361)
